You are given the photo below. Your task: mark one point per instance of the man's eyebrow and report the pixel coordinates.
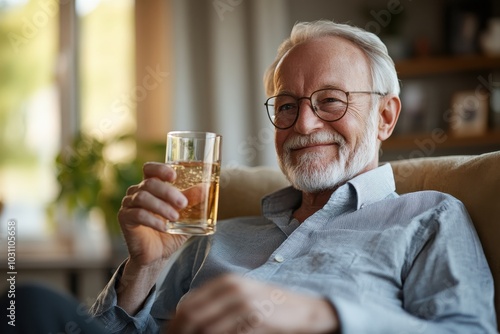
(328, 86)
(285, 92)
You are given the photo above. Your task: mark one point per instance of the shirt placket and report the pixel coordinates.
(295, 245)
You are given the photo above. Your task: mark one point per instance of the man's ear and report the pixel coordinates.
(389, 110)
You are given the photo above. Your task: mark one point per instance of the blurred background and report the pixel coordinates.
(89, 89)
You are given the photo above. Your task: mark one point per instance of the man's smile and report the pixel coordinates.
(314, 146)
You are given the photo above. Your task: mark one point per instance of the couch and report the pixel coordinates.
(475, 180)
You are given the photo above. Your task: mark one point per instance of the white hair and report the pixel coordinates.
(383, 71)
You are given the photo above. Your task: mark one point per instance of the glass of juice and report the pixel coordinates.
(196, 158)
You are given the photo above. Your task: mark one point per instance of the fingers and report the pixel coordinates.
(218, 307)
(156, 196)
(197, 194)
(222, 315)
(154, 201)
(233, 304)
(158, 170)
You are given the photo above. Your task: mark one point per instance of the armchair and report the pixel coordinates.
(475, 180)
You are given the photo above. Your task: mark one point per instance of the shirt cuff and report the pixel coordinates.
(370, 318)
(113, 317)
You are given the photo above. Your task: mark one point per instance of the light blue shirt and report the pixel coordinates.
(388, 263)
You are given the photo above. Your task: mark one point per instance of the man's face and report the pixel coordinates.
(314, 154)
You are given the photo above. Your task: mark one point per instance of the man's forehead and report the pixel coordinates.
(331, 46)
(323, 56)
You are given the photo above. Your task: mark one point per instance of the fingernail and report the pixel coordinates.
(175, 216)
(182, 202)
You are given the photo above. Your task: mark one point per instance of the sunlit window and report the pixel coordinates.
(107, 107)
(106, 66)
(29, 114)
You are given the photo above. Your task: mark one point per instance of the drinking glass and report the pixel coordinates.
(196, 158)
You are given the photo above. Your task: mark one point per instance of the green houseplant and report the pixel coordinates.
(90, 179)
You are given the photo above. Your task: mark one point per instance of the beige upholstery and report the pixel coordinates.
(475, 180)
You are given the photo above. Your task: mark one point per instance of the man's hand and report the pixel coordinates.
(232, 304)
(145, 210)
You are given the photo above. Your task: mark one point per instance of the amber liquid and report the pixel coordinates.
(200, 183)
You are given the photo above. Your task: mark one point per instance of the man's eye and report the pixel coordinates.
(287, 107)
(330, 100)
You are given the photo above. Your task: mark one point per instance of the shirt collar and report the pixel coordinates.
(373, 185)
(285, 199)
(362, 190)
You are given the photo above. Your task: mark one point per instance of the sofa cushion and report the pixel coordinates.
(241, 189)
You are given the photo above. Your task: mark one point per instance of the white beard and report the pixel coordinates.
(315, 172)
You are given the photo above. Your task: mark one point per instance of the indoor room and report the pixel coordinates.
(89, 90)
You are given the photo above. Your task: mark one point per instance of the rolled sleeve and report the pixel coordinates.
(117, 320)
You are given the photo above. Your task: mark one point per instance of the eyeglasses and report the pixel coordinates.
(329, 104)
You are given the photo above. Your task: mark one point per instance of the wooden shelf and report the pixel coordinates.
(431, 67)
(445, 65)
(447, 141)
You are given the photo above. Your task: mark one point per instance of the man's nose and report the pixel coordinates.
(307, 120)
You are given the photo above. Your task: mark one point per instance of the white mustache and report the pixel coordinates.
(317, 138)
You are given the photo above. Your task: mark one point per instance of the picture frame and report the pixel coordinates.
(469, 114)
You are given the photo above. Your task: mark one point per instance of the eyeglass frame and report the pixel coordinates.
(313, 107)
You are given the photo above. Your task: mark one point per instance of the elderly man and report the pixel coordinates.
(339, 251)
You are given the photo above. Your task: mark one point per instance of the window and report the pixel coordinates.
(106, 66)
(29, 114)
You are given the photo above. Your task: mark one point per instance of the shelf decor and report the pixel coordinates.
(469, 115)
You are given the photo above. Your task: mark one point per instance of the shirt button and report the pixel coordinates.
(279, 258)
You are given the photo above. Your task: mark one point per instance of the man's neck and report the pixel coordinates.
(311, 203)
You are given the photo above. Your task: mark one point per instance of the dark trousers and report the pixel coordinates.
(37, 309)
